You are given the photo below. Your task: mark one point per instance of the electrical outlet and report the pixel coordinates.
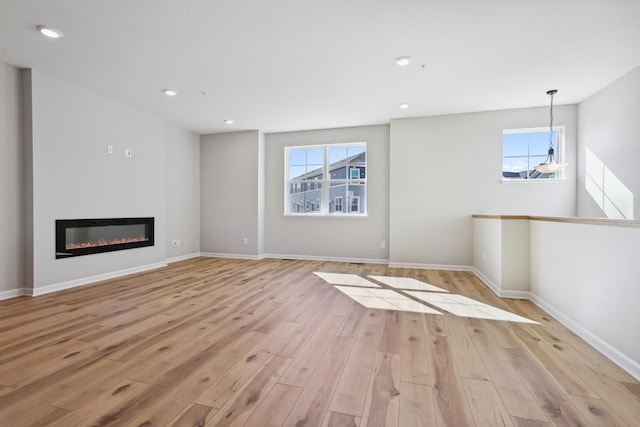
(109, 149)
(245, 241)
(174, 243)
(383, 245)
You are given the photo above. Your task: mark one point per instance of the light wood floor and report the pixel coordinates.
(221, 342)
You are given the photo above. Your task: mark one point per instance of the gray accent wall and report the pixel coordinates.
(74, 177)
(446, 168)
(12, 182)
(329, 237)
(230, 188)
(183, 191)
(609, 126)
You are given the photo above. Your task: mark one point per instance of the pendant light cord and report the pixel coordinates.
(551, 93)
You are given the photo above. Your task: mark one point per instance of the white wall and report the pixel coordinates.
(229, 193)
(515, 257)
(446, 168)
(12, 261)
(501, 254)
(183, 192)
(588, 279)
(348, 238)
(74, 177)
(610, 128)
(487, 251)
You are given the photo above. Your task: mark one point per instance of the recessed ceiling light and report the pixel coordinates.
(228, 122)
(403, 106)
(170, 92)
(52, 33)
(403, 60)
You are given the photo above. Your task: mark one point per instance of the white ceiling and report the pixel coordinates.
(284, 65)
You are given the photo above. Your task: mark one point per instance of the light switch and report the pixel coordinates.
(128, 152)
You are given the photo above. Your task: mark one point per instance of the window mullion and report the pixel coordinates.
(324, 194)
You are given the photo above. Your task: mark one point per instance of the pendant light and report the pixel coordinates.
(550, 165)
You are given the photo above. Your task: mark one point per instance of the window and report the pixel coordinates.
(355, 203)
(524, 149)
(326, 179)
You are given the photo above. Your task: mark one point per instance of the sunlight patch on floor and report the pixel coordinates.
(407, 283)
(371, 295)
(467, 307)
(346, 279)
(385, 299)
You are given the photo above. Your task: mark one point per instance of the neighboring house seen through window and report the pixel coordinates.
(326, 179)
(524, 149)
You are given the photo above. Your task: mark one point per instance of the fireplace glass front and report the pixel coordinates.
(75, 237)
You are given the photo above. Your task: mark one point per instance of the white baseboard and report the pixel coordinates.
(182, 257)
(327, 258)
(13, 293)
(496, 289)
(430, 266)
(484, 279)
(92, 279)
(619, 358)
(231, 256)
(515, 294)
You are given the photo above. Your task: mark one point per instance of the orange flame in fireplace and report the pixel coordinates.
(72, 245)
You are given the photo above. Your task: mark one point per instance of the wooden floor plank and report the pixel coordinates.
(240, 408)
(515, 396)
(165, 384)
(524, 422)
(414, 364)
(39, 415)
(558, 408)
(113, 397)
(383, 400)
(451, 405)
(336, 419)
(312, 404)
(275, 407)
(194, 415)
(416, 405)
(351, 392)
(617, 396)
(391, 336)
(466, 357)
(305, 362)
(229, 382)
(570, 382)
(632, 387)
(486, 407)
(596, 411)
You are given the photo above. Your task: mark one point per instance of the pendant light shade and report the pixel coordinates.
(551, 165)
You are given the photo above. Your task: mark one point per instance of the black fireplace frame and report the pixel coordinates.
(63, 224)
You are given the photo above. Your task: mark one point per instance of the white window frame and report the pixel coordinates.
(325, 183)
(336, 204)
(559, 152)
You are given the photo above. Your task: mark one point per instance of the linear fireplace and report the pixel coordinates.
(75, 237)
